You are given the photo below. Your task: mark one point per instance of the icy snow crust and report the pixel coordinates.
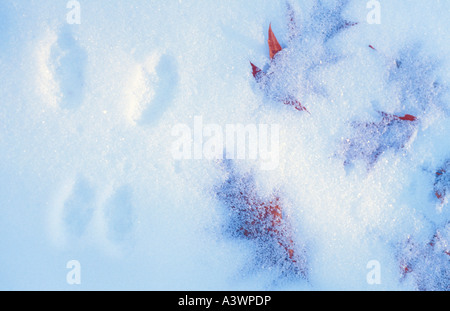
(87, 171)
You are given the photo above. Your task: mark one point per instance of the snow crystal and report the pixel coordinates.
(86, 116)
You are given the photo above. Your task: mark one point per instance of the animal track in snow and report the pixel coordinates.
(81, 210)
(67, 62)
(165, 90)
(78, 207)
(151, 89)
(118, 213)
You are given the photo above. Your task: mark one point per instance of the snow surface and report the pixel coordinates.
(86, 167)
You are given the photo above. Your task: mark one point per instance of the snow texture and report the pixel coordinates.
(87, 171)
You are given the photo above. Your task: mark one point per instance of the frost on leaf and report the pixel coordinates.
(412, 75)
(261, 219)
(371, 139)
(289, 72)
(264, 80)
(427, 265)
(442, 182)
(328, 19)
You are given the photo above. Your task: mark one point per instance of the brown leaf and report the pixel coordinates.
(407, 117)
(255, 69)
(274, 46)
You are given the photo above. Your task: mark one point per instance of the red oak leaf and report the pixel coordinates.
(257, 72)
(407, 117)
(274, 46)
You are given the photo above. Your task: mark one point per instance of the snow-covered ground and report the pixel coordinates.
(88, 173)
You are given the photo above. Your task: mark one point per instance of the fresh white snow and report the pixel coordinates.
(87, 171)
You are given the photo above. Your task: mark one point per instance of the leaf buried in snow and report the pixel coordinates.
(274, 46)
